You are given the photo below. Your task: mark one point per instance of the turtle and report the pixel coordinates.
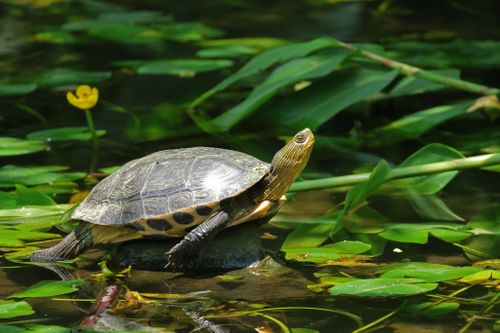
(191, 193)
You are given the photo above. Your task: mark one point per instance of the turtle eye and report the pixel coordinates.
(300, 138)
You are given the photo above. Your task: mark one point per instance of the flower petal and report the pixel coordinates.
(83, 90)
(72, 99)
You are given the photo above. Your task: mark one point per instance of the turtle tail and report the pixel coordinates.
(71, 246)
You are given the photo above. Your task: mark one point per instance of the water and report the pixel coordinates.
(143, 114)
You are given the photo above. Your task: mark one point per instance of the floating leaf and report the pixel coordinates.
(481, 277)
(383, 287)
(15, 89)
(326, 98)
(64, 134)
(419, 232)
(37, 328)
(426, 271)
(48, 288)
(15, 146)
(11, 309)
(229, 278)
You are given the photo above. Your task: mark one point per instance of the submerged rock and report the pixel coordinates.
(233, 248)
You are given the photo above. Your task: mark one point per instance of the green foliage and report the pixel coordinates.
(14, 89)
(178, 67)
(15, 146)
(426, 271)
(49, 288)
(12, 309)
(383, 287)
(64, 134)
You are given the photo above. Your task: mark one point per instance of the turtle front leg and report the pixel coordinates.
(71, 246)
(188, 248)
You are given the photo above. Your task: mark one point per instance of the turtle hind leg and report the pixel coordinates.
(188, 248)
(71, 246)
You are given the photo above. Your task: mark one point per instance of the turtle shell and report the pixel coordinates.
(170, 182)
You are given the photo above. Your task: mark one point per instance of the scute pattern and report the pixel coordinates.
(168, 181)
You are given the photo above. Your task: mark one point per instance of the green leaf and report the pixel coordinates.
(66, 77)
(182, 67)
(64, 134)
(362, 191)
(426, 271)
(9, 242)
(11, 175)
(50, 288)
(430, 184)
(11, 329)
(133, 17)
(26, 235)
(188, 31)
(267, 59)
(30, 197)
(418, 123)
(487, 243)
(11, 309)
(430, 309)
(303, 330)
(21, 215)
(323, 100)
(415, 84)
(15, 146)
(405, 233)
(431, 207)
(15, 89)
(36, 328)
(383, 287)
(307, 235)
(418, 233)
(287, 74)
(233, 51)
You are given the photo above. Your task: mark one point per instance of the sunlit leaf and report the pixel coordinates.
(427, 271)
(64, 134)
(323, 100)
(269, 58)
(50, 288)
(11, 309)
(482, 277)
(289, 73)
(15, 146)
(10, 242)
(26, 235)
(383, 287)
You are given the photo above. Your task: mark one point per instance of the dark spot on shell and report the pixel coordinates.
(137, 226)
(160, 225)
(183, 218)
(203, 210)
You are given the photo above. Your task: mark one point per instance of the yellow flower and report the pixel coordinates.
(86, 97)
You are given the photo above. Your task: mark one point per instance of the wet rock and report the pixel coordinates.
(233, 248)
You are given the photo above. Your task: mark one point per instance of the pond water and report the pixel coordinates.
(42, 41)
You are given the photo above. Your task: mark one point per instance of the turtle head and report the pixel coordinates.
(287, 164)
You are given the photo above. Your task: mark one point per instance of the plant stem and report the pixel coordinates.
(95, 143)
(410, 70)
(479, 161)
